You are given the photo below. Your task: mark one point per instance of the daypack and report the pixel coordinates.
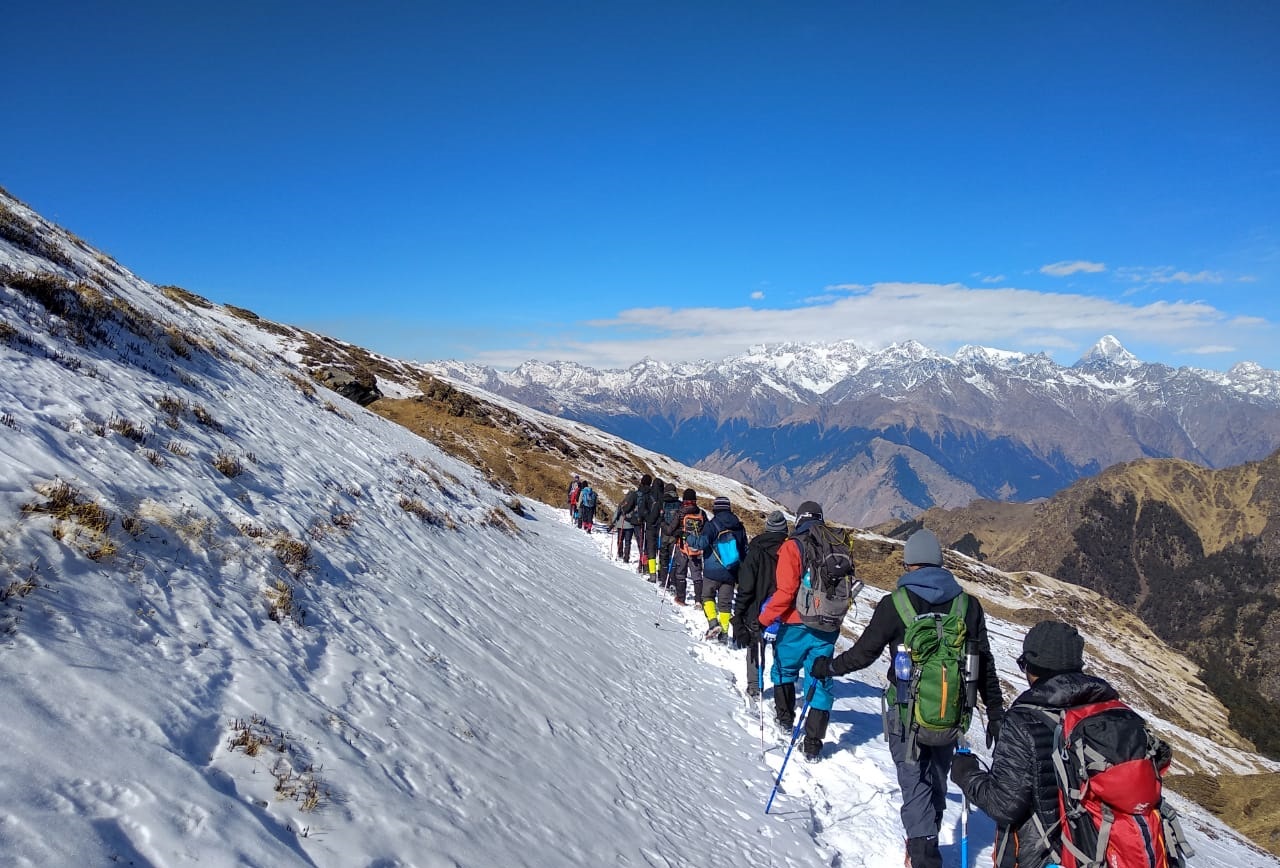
(670, 509)
(1110, 806)
(827, 585)
(641, 509)
(692, 540)
(725, 548)
(587, 501)
(934, 711)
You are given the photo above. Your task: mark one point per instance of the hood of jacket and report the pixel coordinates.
(931, 584)
(1066, 690)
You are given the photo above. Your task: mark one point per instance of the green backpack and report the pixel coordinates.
(934, 711)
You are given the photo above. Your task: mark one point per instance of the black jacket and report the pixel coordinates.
(1021, 782)
(757, 580)
(931, 589)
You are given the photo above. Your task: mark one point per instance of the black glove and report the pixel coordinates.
(964, 766)
(821, 668)
(993, 729)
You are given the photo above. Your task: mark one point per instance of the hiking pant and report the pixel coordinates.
(625, 535)
(665, 555)
(923, 783)
(796, 649)
(717, 602)
(684, 567)
(754, 664)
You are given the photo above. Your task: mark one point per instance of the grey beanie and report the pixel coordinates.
(720, 504)
(1053, 646)
(776, 522)
(922, 548)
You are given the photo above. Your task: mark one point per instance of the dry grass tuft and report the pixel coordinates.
(177, 447)
(416, 507)
(280, 601)
(304, 385)
(228, 464)
(294, 555)
(183, 296)
(205, 418)
(77, 520)
(127, 429)
(296, 779)
(498, 517)
(344, 520)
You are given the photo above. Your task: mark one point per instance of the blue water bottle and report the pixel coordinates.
(902, 671)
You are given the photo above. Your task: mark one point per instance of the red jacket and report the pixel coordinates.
(783, 602)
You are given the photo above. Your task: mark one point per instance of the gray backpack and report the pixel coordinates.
(827, 585)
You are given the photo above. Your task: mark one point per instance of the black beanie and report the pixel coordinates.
(646, 480)
(1052, 646)
(808, 510)
(689, 494)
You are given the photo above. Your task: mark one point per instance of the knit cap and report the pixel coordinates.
(720, 504)
(808, 510)
(689, 495)
(1054, 647)
(671, 488)
(922, 548)
(776, 522)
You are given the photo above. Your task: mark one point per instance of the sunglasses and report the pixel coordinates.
(1022, 662)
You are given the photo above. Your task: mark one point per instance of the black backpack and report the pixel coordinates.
(827, 586)
(641, 509)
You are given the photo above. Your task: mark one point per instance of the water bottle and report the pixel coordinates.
(902, 671)
(971, 675)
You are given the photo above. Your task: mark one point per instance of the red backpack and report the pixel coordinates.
(1110, 805)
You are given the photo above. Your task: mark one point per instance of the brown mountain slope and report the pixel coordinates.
(1194, 552)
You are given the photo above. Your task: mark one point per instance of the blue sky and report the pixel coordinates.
(604, 181)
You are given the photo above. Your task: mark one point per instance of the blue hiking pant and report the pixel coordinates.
(796, 649)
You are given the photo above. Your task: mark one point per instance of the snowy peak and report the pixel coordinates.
(1108, 351)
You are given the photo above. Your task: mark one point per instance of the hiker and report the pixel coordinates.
(1021, 790)
(622, 527)
(799, 645)
(586, 507)
(637, 504)
(667, 520)
(686, 563)
(726, 543)
(756, 581)
(653, 526)
(925, 587)
(573, 495)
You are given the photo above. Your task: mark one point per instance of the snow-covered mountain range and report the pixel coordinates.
(885, 434)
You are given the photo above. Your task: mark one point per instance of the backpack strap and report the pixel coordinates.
(902, 603)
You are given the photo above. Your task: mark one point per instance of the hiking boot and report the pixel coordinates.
(812, 747)
(786, 724)
(679, 601)
(713, 631)
(753, 692)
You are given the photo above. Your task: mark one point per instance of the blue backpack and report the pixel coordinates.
(587, 501)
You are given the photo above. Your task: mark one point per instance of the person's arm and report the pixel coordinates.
(988, 678)
(745, 598)
(788, 582)
(1004, 793)
(878, 635)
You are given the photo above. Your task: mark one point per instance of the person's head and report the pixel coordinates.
(776, 522)
(671, 489)
(1050, 648)
(808, 511)
(922, 550)
(689, 495)
(720, 504)
(646, 480)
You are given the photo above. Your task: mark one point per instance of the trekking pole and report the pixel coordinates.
(795, 735)
(760, 646)
(964, 814)
(663, 587)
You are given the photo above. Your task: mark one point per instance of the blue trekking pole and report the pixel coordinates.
(795, 735)
(964, 815)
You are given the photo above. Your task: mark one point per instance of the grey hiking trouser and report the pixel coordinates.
(923, 783)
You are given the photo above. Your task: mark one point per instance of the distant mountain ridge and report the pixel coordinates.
(885, 434)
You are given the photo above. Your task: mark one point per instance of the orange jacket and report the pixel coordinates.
(783, 602)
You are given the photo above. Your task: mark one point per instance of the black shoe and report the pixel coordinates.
(812, 747)
(786, 724)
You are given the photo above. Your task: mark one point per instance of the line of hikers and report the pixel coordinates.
(1075, 776)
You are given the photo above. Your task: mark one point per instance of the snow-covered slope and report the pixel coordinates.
(246, 622)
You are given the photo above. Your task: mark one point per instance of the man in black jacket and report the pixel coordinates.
(922, 778)
(1021, 790)
(757, 579)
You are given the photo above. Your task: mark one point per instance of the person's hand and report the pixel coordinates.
(821, 668)
(993, 729)
(770, 633)
(964, 766)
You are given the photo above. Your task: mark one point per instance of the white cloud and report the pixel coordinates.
(1066, 269)
(1209, 349)
(757, 295)
(1168, 274)
(943, 316)
(994, 278)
